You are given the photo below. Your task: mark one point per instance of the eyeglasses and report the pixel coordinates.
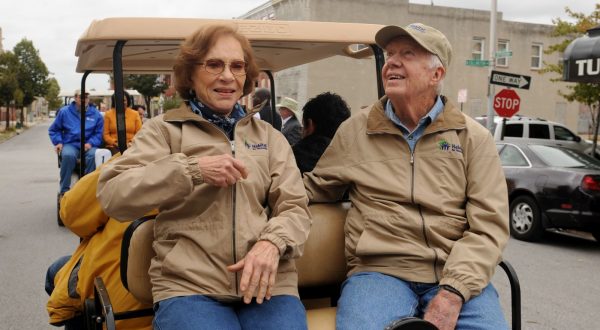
(216, 66)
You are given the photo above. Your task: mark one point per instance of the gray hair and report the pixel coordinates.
(435, 63)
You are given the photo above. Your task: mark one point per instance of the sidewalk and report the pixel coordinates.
(5, 135)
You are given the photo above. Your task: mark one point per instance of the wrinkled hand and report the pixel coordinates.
(259, 271)
(222, 170)
(58, 148)
(87, 146)
(443, 310)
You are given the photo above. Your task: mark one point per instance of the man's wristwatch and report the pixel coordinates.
(453, 290)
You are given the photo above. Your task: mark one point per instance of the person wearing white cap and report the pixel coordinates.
(291, 126)
(429, 216)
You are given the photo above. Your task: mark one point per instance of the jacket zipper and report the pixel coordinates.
(423, 227)
(233, 198)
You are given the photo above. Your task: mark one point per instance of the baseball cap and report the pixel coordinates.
(429, 38)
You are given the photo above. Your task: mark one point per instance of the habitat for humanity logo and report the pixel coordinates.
(445, 146)
(255, 146)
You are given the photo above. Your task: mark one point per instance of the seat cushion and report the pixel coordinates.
(321, 318)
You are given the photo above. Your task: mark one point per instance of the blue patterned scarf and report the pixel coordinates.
(226, 124)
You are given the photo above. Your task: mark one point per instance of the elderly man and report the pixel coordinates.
(291, 127)
(429, 215)
(65, 134)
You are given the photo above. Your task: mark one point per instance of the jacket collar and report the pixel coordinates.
(449, 118)
(184, 113)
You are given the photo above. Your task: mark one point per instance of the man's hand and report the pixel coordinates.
(222, 170)
(58, 148)
(443, 310)
(87, 146)
(259, 271)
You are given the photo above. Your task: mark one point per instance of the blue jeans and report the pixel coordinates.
(77, 322)
(69, 155)
(372, 300)
(201, 312)
(51, 272)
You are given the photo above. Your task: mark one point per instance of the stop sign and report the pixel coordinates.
(506, 103)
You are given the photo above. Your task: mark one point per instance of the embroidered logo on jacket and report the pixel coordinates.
(255, 146)
(445, 146)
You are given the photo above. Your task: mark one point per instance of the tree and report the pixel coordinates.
(32, 72)
(585, 93)
(149, 85)
(54, 102)
(9, 83)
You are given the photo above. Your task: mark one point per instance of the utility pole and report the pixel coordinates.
(491, 92)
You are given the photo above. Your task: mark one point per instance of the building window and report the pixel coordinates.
(503, 47)
(536, 56)
(477, 49)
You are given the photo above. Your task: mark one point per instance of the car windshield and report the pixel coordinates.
(564, 157)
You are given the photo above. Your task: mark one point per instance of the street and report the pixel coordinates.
(557, 275)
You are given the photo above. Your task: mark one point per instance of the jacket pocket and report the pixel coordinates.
(386, 235)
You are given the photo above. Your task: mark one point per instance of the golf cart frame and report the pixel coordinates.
(149, 46)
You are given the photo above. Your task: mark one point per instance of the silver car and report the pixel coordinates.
(538, 131)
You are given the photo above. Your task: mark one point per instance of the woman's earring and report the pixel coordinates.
(192, 93)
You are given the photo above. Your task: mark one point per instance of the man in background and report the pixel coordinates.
(65, 134)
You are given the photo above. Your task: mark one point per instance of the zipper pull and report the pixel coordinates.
(412, 159)
(232, 143)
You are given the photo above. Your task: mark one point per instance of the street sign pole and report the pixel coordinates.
(491, 92)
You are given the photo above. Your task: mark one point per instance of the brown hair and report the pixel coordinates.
(197, 45)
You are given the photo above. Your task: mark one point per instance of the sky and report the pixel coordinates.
(55, 26)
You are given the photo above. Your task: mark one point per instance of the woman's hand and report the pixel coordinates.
(222, 170)
(259, 271)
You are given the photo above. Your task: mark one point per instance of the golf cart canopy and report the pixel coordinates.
(151, 44)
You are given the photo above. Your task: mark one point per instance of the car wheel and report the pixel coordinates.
(525, 219)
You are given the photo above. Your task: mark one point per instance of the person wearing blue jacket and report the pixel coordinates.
(65, 134)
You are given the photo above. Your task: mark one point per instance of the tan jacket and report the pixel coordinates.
(439, 215)
(201, 228)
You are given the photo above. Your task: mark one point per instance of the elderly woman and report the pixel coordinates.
(233, 209)
(133, 124)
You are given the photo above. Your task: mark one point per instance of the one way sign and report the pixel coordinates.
(510, 80)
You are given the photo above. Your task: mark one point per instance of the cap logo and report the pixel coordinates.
(417, 28)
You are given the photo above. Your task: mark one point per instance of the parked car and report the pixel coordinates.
(539, 131)
(52, 113)
(550, 187)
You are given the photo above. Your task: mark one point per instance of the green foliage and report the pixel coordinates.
(172, 103)
(32, 72)
(588, 94)
(54, 101)
(9, 82)
(149, 85)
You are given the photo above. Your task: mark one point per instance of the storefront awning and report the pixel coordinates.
(582, 58)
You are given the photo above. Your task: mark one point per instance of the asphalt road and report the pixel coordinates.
(30, 239)
(558, 276)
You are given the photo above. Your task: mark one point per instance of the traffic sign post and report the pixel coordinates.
(507, 103)
(510, 79)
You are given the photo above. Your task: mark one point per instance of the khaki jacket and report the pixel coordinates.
(438, 215)
(201, 228)
(98, 254)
